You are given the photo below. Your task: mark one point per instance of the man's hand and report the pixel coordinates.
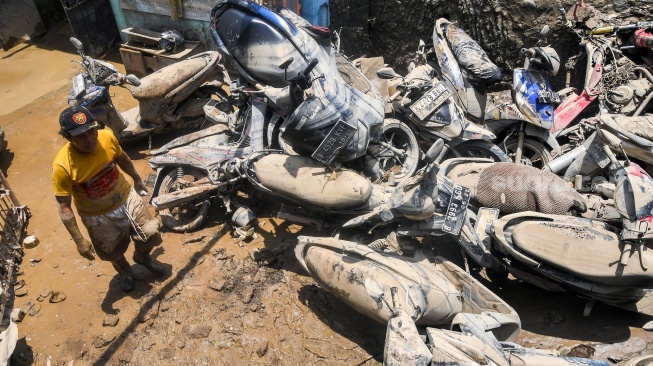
(85, 249)
(140, 187)
(125, 163)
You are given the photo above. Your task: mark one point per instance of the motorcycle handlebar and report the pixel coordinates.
(311, 66)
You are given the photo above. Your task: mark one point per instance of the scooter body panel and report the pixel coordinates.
(363, 279)
(527, 85)
(473, 70)
(633, 197)
(574, 104)
(563, 242)
(260, 41)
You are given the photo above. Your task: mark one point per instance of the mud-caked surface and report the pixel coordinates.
(222, 301)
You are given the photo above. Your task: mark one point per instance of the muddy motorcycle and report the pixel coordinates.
(610, 81)
(426, 292)
(546, 248)
(429, 108)
(211, 163)
(522, 124)
(314, 111)
(317, 194)
(173, 97)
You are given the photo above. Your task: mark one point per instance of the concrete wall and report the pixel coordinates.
(19, 21)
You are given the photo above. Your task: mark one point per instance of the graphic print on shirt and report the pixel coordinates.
(103, 182)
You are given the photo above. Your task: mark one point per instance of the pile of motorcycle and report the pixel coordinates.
(384, 157)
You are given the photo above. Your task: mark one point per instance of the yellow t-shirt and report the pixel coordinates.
(93, 179)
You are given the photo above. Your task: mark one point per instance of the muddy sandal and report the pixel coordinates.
(44, 295)
(57, 297)
(34, 309)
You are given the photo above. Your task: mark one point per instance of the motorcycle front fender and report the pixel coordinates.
(475, 132)
(543, 135)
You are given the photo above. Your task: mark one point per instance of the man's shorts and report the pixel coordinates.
(110, 233)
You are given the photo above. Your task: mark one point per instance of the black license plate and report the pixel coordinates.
(430, 101)
(548, 97)
(455, 215)
(338, 137)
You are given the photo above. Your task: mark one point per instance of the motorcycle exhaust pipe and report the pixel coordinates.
(562, 162)
(177, 198)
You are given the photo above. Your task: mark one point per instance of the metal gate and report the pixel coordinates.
(93, 23)
(13, 223)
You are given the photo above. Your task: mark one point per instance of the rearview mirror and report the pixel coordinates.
(133, 80)
(77, 44)
(387, 73)
(544, 33)
(286, 63)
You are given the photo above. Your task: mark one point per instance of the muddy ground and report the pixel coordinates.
(221, 302)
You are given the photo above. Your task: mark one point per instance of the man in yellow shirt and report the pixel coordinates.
(86, 171)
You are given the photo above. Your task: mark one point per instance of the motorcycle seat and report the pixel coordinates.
(169, 78)
(565, 243)
(470, 55)
(307, 181)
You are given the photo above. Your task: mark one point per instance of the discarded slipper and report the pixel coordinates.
(57, 297)
(34, 309)
(44, 295)
(20, 292)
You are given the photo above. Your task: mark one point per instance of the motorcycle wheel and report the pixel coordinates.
(397, 135)
(534, 153)
(190, 215)
(479, 149)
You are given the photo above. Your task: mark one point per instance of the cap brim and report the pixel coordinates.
(81, 129)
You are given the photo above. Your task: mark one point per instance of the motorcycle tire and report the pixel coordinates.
(188, 216)
(534, 153)
(479, 149)
(398, 135)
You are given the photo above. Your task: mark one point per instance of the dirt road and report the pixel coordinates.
(221, 302)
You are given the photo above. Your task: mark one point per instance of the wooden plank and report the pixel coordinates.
(192, 9)
(133, 61)
(143, 36)
(180, 54)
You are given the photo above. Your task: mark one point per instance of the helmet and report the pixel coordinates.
(547, 60)
(171, 40)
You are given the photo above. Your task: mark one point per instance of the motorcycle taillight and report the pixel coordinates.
(319, 31)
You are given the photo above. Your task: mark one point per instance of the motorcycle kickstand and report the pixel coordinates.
(588, 307)
(520, 143)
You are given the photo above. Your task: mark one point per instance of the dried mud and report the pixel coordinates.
(222, 302)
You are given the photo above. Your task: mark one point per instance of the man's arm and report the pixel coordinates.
(68, 218)
(125, 163)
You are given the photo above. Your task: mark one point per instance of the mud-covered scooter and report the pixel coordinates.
(521, 124)
(173, 97)
(429, 108)
(426, 292)
(320, 105)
